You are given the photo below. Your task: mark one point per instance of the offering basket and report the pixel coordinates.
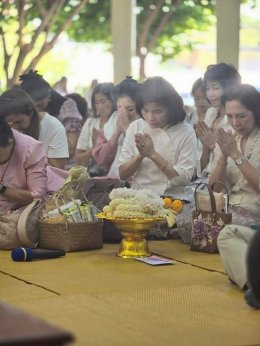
(133, 231)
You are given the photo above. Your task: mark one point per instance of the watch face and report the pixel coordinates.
(239, 161)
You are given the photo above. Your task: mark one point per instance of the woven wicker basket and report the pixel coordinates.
(70, 236)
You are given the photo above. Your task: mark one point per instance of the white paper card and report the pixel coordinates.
(155, 260)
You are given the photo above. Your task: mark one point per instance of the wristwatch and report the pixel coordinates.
(240, 161)
(3, 187)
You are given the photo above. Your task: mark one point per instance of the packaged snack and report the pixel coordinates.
(63, 208)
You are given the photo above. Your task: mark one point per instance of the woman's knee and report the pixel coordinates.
(235, 232)
(228, 232)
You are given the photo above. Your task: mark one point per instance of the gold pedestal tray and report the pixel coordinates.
(133, 231)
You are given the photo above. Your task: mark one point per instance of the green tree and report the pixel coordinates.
(163, 26)
(30, 29)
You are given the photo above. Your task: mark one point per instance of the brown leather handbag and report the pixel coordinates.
(206, 225)
(97, 191)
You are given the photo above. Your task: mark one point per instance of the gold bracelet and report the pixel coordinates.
(164, 165)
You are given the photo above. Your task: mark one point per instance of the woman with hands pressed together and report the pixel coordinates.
(102, 101)
(159, 150)
(239, 166)
(216, 79)
(239, 161)
(110, 139)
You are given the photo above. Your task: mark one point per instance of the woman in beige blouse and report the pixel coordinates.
(239, 162)
(239, 167)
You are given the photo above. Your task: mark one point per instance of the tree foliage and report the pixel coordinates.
(30, 29)
(163, 26)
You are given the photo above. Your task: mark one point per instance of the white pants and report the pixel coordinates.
(233, 243)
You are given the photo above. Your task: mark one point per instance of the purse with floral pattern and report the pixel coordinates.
(206, 225)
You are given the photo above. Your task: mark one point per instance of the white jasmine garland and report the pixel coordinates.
(129, 203)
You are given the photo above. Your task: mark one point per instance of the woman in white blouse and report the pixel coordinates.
(217, 79)
(159, 150)
(103, 107)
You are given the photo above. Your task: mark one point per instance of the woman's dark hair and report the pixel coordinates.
(198, 84)
(108, 90)
(34, 84)
(247, 95)
(128, 87)
(15, 102)
(225, 74)
(158, 90)
(82, 104)
(37, 87)
(55, 104)
(6, 133)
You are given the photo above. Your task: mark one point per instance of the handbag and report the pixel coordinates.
(184, 222)
(20, 227)
(204, 203)
(206, 225)
(97, 191)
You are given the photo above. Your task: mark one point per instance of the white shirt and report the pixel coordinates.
(209, 120)
(53, 137)
(177, 144)
(85, 140)
(109, 130)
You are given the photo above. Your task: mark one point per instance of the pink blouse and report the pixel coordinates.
(26, 169)
(70, 117)
(104, 151)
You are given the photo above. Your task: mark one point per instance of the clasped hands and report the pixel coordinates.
(144, 144)
(225, 139)
(205, 134)
(227, 143)
(123, 120)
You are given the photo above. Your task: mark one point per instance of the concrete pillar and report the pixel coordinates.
(228, 26)
(123, 37)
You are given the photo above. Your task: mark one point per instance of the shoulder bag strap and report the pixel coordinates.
(22, 221)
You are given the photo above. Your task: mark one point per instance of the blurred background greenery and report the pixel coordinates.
(72, 38)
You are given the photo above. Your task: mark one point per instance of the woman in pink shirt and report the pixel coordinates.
(23, 165)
